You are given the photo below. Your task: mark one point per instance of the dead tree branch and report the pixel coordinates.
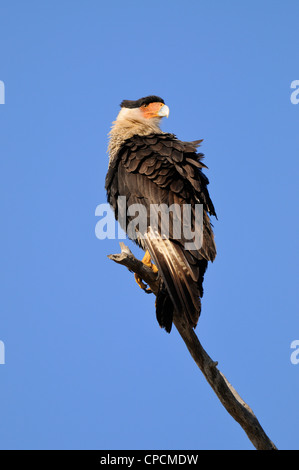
(226, 393)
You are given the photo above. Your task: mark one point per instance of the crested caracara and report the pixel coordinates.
(154, 169)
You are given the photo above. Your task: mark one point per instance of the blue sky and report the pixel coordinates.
(87, 366)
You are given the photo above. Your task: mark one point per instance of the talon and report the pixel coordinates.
(142, 285)
(140, 282)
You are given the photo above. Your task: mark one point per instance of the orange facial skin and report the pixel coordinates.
(151, 110)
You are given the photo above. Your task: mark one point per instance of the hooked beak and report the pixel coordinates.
(164, 111)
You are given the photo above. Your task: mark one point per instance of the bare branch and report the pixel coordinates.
(226, 393)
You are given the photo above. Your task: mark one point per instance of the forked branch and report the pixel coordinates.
(226, 393)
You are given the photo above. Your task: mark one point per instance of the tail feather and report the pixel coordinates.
(178, 280)
(164, 308)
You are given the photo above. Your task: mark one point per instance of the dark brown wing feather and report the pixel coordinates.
(160, 169)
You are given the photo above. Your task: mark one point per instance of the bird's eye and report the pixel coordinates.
(144, 105)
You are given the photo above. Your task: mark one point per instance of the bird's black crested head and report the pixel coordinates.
(141, 102)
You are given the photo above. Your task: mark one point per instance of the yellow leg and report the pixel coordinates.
(147, 261)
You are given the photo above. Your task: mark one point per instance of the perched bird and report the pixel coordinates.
(156, 170)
